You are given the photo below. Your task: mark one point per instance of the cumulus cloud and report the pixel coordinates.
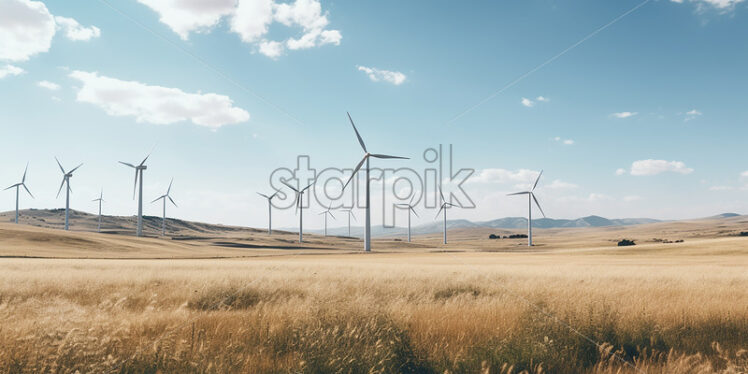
(75, 31)
(744, 174)
(654, 167)
(692, 114)
(620, 171)
(530, 103)
(558, 139)
(376, 75)
(251, 20)
(631, 198)
(156, 104)
(48, 85)
(503, 176)
(624, 114)
(722, 6)
(27, 28)
(558, 184)
(10, 70)
(721, 188)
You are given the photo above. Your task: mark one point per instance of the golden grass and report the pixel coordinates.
(663, 312)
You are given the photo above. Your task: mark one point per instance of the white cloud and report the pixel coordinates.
(624, 114)
(692, 114)
(527, 102)
(27, 28)
(620, 171)
(74, 30)
(557, 184)
(48, 85)
(185, 16)
(744, 174)
(654, 167)
(251, 20)
(395, 77)
(155, 104)
(722, 6)
(564, 141)
(8, 70)
(542, 99)
(271, 48)
(631, 198)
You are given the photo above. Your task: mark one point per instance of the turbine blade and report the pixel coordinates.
(360, 141)
(263, 195)
(353, 215)
(355, 171)
(388, 156)
(135, 186)
(61, 185)
(74, 169)
(331, 215)
(414, 212)
(437, 213)
(538, 204)
(518, 193)
(169, 189)
(172, 201)
(321, 213)
(27, 190)
(60, 165)
(307, 187)
(24, 173)
(441, 194)
(157, 199)
(536, 181)
(411, 199)
(127, 164)
(146, 157)
(273, 195)
(289, 186)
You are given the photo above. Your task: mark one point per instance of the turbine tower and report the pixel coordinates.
(367, 155)
(409, 206)
(326, 213)
(299, 207)
(350, 214)
(138, 173)
(530, 197)
(18, 186)
(164, 197)
(66, 181)
(100, 200)
(444, 207)
(270, 211)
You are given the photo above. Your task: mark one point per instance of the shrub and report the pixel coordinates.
(626, 242)
(744, 233)
(494, 236)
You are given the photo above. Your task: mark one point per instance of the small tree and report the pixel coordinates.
(626, 242)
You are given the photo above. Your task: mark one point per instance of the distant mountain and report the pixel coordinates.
(501, 223)
(724, 215)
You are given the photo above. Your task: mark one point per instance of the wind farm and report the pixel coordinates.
(291, 238)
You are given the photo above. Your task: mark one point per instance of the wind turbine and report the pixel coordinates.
(367, 155)
(326, 213)
(444, 207)
(530, 197)
(100, 200)
(350, 214)
(299, 207)
(18, 186)
(163, 197)
(138, 171)
(409, 206)
(66, 181)
(270, 211)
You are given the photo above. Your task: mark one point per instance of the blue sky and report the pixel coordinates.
(645, 118)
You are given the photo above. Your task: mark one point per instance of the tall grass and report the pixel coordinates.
(374, 314)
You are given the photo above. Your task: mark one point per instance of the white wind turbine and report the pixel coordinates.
(18, 186)
(164, 197)
(530, 197)
(299, 207)
(326, 213)
(444, 207)
(350, 214)
(66, 181)
(409, 206)
(367, 155)
(100, 200)
(270, 211)
(138, 174)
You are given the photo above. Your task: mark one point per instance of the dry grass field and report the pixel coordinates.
(242, 302)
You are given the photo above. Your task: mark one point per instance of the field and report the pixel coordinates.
(574, 304)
